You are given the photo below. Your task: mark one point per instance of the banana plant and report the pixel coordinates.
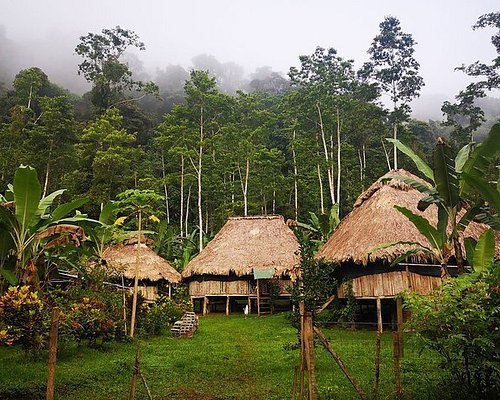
(31, 224)
(321, 226)
(450, 181)
(481, 254)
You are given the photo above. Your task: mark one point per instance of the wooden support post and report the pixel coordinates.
(380, 326)
(408, 279)
(249, 305)
(227, 305)
(309, 352)
(169, 290)
(397, 365)
(399, 312)
(258, 298)
(135, 374)
(338, 360)
(205, 305)
(54, 333)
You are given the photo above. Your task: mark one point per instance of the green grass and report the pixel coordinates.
(228, 358)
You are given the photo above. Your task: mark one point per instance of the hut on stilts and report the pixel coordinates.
(374, 221)
(250, 262)
(156, 276)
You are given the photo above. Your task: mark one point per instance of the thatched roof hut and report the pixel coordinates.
(374, 221)
(247, 244)
(122, 258)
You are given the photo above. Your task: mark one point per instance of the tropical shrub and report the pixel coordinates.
(156, 318)
(89, 315)
(461, 321)
(23, 318)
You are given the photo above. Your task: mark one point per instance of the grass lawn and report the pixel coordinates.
(228, 358)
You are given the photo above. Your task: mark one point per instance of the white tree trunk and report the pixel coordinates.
(331, 183)
(47, 172)
(199, 171)
(165, 188)
(295, 178)
(187, 211)
(321, 196)
(182, 197)
(338, 156)
(395, 148)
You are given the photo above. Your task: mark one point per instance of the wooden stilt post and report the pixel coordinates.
(227, 305)
(380, 326)
(54, 333)
(249, 305)
(258, 298)
(169, 290)
(205, 305)
(399, 312)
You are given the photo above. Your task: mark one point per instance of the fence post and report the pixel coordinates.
(309, 351)
(54, 333)
(135, 374)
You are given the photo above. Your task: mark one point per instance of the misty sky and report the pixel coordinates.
(251, 33)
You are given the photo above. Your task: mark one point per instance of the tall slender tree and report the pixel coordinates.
(393, 66)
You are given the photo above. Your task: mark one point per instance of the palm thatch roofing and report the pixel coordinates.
(248, 244)
(374, 221)
(122, 258)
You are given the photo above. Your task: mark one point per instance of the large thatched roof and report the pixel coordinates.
(122, 258)
(374, 221)
(245, 244)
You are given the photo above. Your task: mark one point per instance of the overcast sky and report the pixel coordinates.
(252, 33)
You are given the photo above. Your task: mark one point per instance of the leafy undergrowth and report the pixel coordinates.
(227, 359)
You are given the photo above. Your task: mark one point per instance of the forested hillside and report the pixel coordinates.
(214, 147)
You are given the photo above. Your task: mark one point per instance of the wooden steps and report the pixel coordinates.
(186, 326)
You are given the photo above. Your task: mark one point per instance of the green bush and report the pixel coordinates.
(89, 315)
(156, 318)
(23, 318)
(461, 321)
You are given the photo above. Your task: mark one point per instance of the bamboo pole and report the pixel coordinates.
(136, 278)
(54, 333)
(324, 341)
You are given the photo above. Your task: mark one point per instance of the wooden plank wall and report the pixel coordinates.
(390, 284)
(224, 288)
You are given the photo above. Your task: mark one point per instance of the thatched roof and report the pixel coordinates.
(245, 244)
(374, 221)
(122, 258)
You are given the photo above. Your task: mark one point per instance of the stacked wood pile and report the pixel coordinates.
(186, 326)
